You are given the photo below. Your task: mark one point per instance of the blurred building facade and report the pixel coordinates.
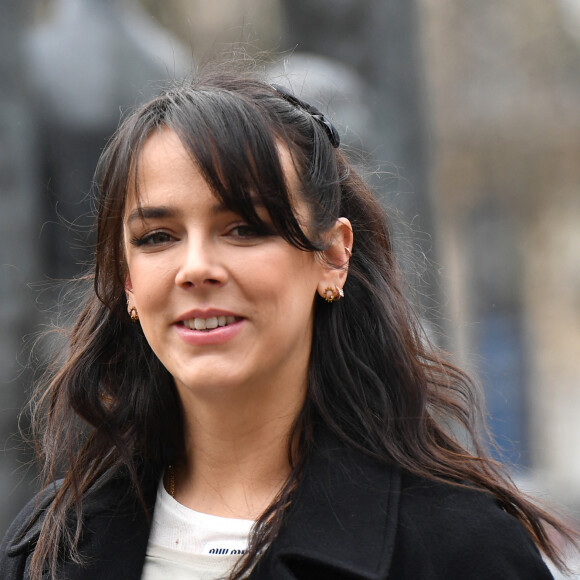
(504, 91)
(469, 108)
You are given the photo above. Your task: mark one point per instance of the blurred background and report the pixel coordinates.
(468, 113)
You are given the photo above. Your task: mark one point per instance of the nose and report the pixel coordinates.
(201, 266)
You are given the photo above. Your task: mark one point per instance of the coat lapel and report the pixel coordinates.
(342, 522)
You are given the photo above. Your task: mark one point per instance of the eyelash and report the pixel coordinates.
(236, 231)
(254, 231)
(148, 239)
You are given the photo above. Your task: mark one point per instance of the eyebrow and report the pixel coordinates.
(144, 213)
(148, 213)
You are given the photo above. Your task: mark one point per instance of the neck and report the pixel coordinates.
(237, 453)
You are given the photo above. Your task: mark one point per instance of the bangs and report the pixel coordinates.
(236, 151)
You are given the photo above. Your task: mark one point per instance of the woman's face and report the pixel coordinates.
(222, 307)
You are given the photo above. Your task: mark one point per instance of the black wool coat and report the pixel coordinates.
(351, 519)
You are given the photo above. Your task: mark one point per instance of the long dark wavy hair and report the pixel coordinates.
(374, 379)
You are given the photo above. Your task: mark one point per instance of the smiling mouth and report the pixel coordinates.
(209, 323)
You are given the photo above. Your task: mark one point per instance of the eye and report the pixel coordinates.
(152, 239)
(245, 231)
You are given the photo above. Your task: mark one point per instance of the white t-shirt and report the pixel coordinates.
(185, 544)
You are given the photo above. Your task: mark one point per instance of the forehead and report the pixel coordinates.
(161, 154)
(164, 161)
(161, 164)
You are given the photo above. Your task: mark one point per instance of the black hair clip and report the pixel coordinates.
(328, 127)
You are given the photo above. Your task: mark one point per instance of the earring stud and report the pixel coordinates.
(133, 314)
(333, 294)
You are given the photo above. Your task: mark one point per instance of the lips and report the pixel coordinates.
(207, 319)
(209, 327)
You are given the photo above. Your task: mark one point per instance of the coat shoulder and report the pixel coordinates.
(22, 535)
(115, 524)
(450, 530)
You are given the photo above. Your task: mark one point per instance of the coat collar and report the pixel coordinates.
(342, 522)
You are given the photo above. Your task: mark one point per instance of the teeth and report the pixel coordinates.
(209, 323)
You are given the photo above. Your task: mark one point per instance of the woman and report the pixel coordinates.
(246, 392)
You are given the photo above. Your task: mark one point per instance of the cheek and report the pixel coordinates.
(150, 283)
(282, 271)
(294, 282)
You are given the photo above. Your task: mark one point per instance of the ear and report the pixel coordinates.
(336, 257)
(128, 286)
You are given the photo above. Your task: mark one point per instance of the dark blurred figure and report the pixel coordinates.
(90, 61)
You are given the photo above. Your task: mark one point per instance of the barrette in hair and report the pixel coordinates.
(328, 127)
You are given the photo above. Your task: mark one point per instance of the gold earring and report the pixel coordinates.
(348, 252)
(333, 294)
(133, 314)
(329, 294)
